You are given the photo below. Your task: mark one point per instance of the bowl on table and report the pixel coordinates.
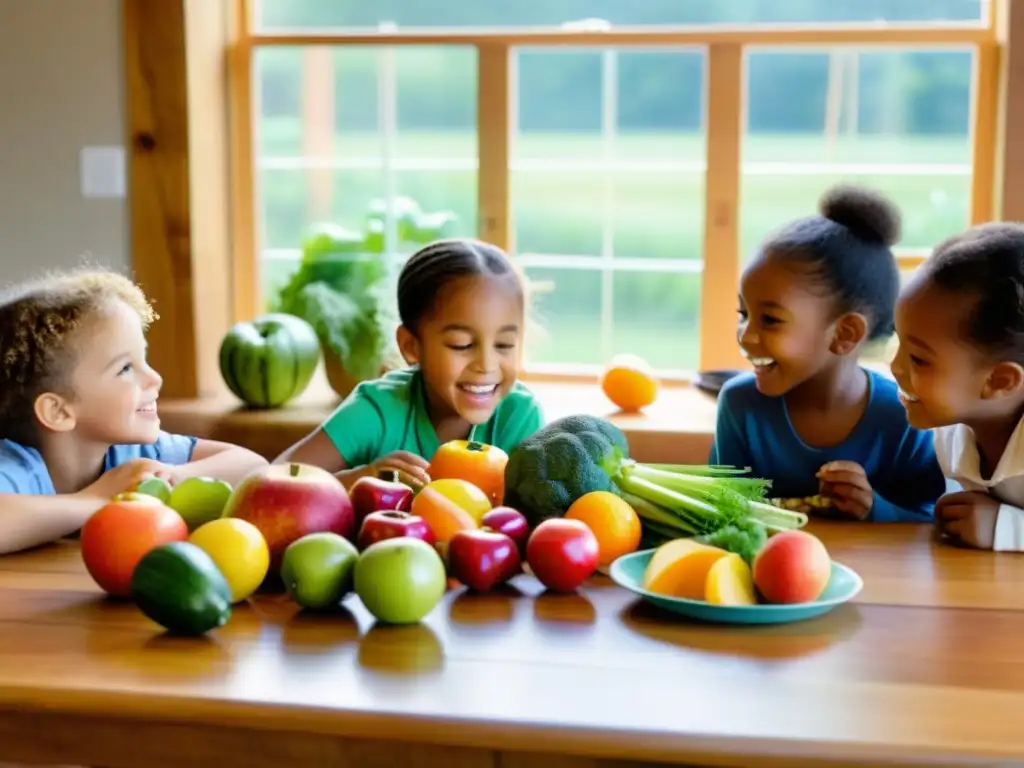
(844, 584)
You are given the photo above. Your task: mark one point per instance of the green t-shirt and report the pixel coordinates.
(390, 414)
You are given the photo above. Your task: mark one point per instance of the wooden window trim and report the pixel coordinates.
(193, 187)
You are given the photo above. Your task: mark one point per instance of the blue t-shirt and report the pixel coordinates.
(755, 431)
(22, 469)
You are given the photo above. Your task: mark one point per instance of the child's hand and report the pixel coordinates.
(969, 517)
(846, 483)
(412, 469)
(125, 477)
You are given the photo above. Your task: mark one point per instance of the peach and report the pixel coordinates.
(729, 582)
(679, 568)
(792, 567)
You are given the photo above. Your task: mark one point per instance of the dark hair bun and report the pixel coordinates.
(869, 215)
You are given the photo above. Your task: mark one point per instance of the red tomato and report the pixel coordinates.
(117, 536)
(562, 554)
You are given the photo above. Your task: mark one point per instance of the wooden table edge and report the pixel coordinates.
(83, 709)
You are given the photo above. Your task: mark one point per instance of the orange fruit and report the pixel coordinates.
(116, 537)
(629, 382)
(614, 523)
(450, 505)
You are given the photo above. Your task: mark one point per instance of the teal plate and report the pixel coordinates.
(844, 584)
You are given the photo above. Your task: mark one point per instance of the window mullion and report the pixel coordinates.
(609, 130)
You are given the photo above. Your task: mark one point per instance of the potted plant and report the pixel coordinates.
(342, 289)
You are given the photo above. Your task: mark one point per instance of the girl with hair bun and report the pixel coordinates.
(810, 417)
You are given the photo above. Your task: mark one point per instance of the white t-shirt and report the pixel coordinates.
(957, 453)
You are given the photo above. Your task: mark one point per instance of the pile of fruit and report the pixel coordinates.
(482, 542)
(565, 503)
(791, 567)
(186, 555)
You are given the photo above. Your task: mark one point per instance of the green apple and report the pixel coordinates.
(317, 569)
(199, 499)
(400, 580)
(156, 487)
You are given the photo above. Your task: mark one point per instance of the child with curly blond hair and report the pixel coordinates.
(78, 407)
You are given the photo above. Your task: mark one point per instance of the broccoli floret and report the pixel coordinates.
(745, 537)
(560, 462)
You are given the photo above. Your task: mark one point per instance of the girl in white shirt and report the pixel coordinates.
(960, 368)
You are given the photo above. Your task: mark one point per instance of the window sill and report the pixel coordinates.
(677, 428)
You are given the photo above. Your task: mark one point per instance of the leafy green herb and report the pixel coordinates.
(744, 537)
(339, 290)
(341, 286)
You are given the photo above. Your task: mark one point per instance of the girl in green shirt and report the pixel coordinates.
(462, 308)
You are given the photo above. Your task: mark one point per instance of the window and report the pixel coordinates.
(607, 187)
(370, 112)
(284, 14)
(342, 131)
(896, 119)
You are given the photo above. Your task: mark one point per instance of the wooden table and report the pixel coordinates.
(925, 667)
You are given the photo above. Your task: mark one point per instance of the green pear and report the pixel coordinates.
(199, 500)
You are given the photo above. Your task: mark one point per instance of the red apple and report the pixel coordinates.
(562, 554)
(390, 524)
(482, 559)
(287, 501)
(792, 567)
(373, 494)
(510, 522)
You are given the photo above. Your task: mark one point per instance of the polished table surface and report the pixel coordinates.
(925, 666)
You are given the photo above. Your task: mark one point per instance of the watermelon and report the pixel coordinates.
(270, 360)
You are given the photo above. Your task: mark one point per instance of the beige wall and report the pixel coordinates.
(61, 88)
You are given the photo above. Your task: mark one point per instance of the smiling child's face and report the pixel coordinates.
(469, 347)
(115, 389)
(786, 324)
(943, 379)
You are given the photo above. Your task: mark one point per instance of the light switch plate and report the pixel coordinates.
(102, 172)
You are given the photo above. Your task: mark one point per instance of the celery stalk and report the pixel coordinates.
(706, 487)
(708, 470)
(699, 514)
(705, 502)
(775, 518)
(656, 518)
(676, 500)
